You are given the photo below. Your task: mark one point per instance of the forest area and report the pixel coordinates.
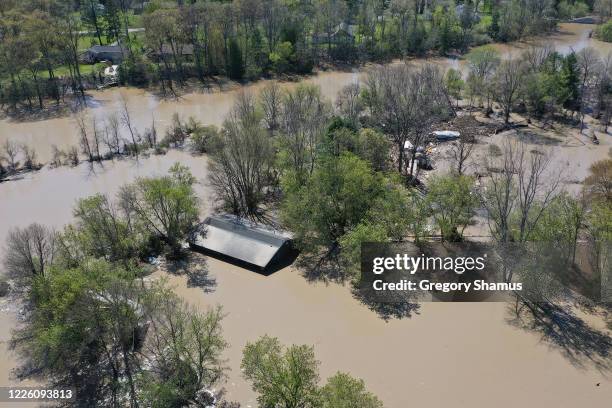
(168, 44)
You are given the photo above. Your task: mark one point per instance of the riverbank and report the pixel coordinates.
(212, 106)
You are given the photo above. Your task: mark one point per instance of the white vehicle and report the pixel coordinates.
(444, 135)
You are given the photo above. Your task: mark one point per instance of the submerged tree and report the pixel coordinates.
(29, 252)
(241, 164)
(282, 377)
(406, 101)
(166, 207)
(452, 201)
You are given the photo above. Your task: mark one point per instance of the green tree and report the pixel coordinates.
(454, 83)
(284, 378)
(86, 330)
(103, 231)
(236, 62)
(344, 391)
(350, 245)
(185, 348)
(334, 199)
(452, 203)
(374, 147)
(166, 207)
(570, 82)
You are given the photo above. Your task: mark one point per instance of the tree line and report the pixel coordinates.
(41, 42)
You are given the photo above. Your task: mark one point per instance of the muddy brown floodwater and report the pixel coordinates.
(461, 355)
(212, 107)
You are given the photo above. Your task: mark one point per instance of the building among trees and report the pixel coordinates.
(241, 241)
(98, 53)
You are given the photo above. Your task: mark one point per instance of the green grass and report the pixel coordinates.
(63, 71)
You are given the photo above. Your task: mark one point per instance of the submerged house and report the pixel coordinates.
(242, 241)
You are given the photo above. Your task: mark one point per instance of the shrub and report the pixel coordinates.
(203, 137)
(604, 31)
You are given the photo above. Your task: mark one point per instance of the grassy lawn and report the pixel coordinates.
(85, 69)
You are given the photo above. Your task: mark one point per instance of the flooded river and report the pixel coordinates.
(212, 107)
(461, 355)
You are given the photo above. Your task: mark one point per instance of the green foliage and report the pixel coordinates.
(187, 354)
(350, 245)
(374, 147)
(344, 391)
(102, 231)
(574, 9)
(559, 225)
(88, 328)
(454, 83)
(204, 138)
(203, 39)
(569, 82)
(288, 377)
(282, 377)
(334, 199)
(452, 202)
(281, 57)
(235, 63)
(166, 207)
(604, 31)
(81, 316)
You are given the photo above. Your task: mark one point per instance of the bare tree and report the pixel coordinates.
(499, 196)
(460, 152)
(537, 187)
(86, 147)
(270, 99)
(303, 121)
(589, 64)
(126, 120)
(29, 157)
(507, 82)
(97, 138)
(407, 101)
(240, 165)
(73, 156)
(603, 97)
(29, 252)
(112, 140)
(536, 56)
(10, 152)
(349, 103)
(57, 156)
(520, 189)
